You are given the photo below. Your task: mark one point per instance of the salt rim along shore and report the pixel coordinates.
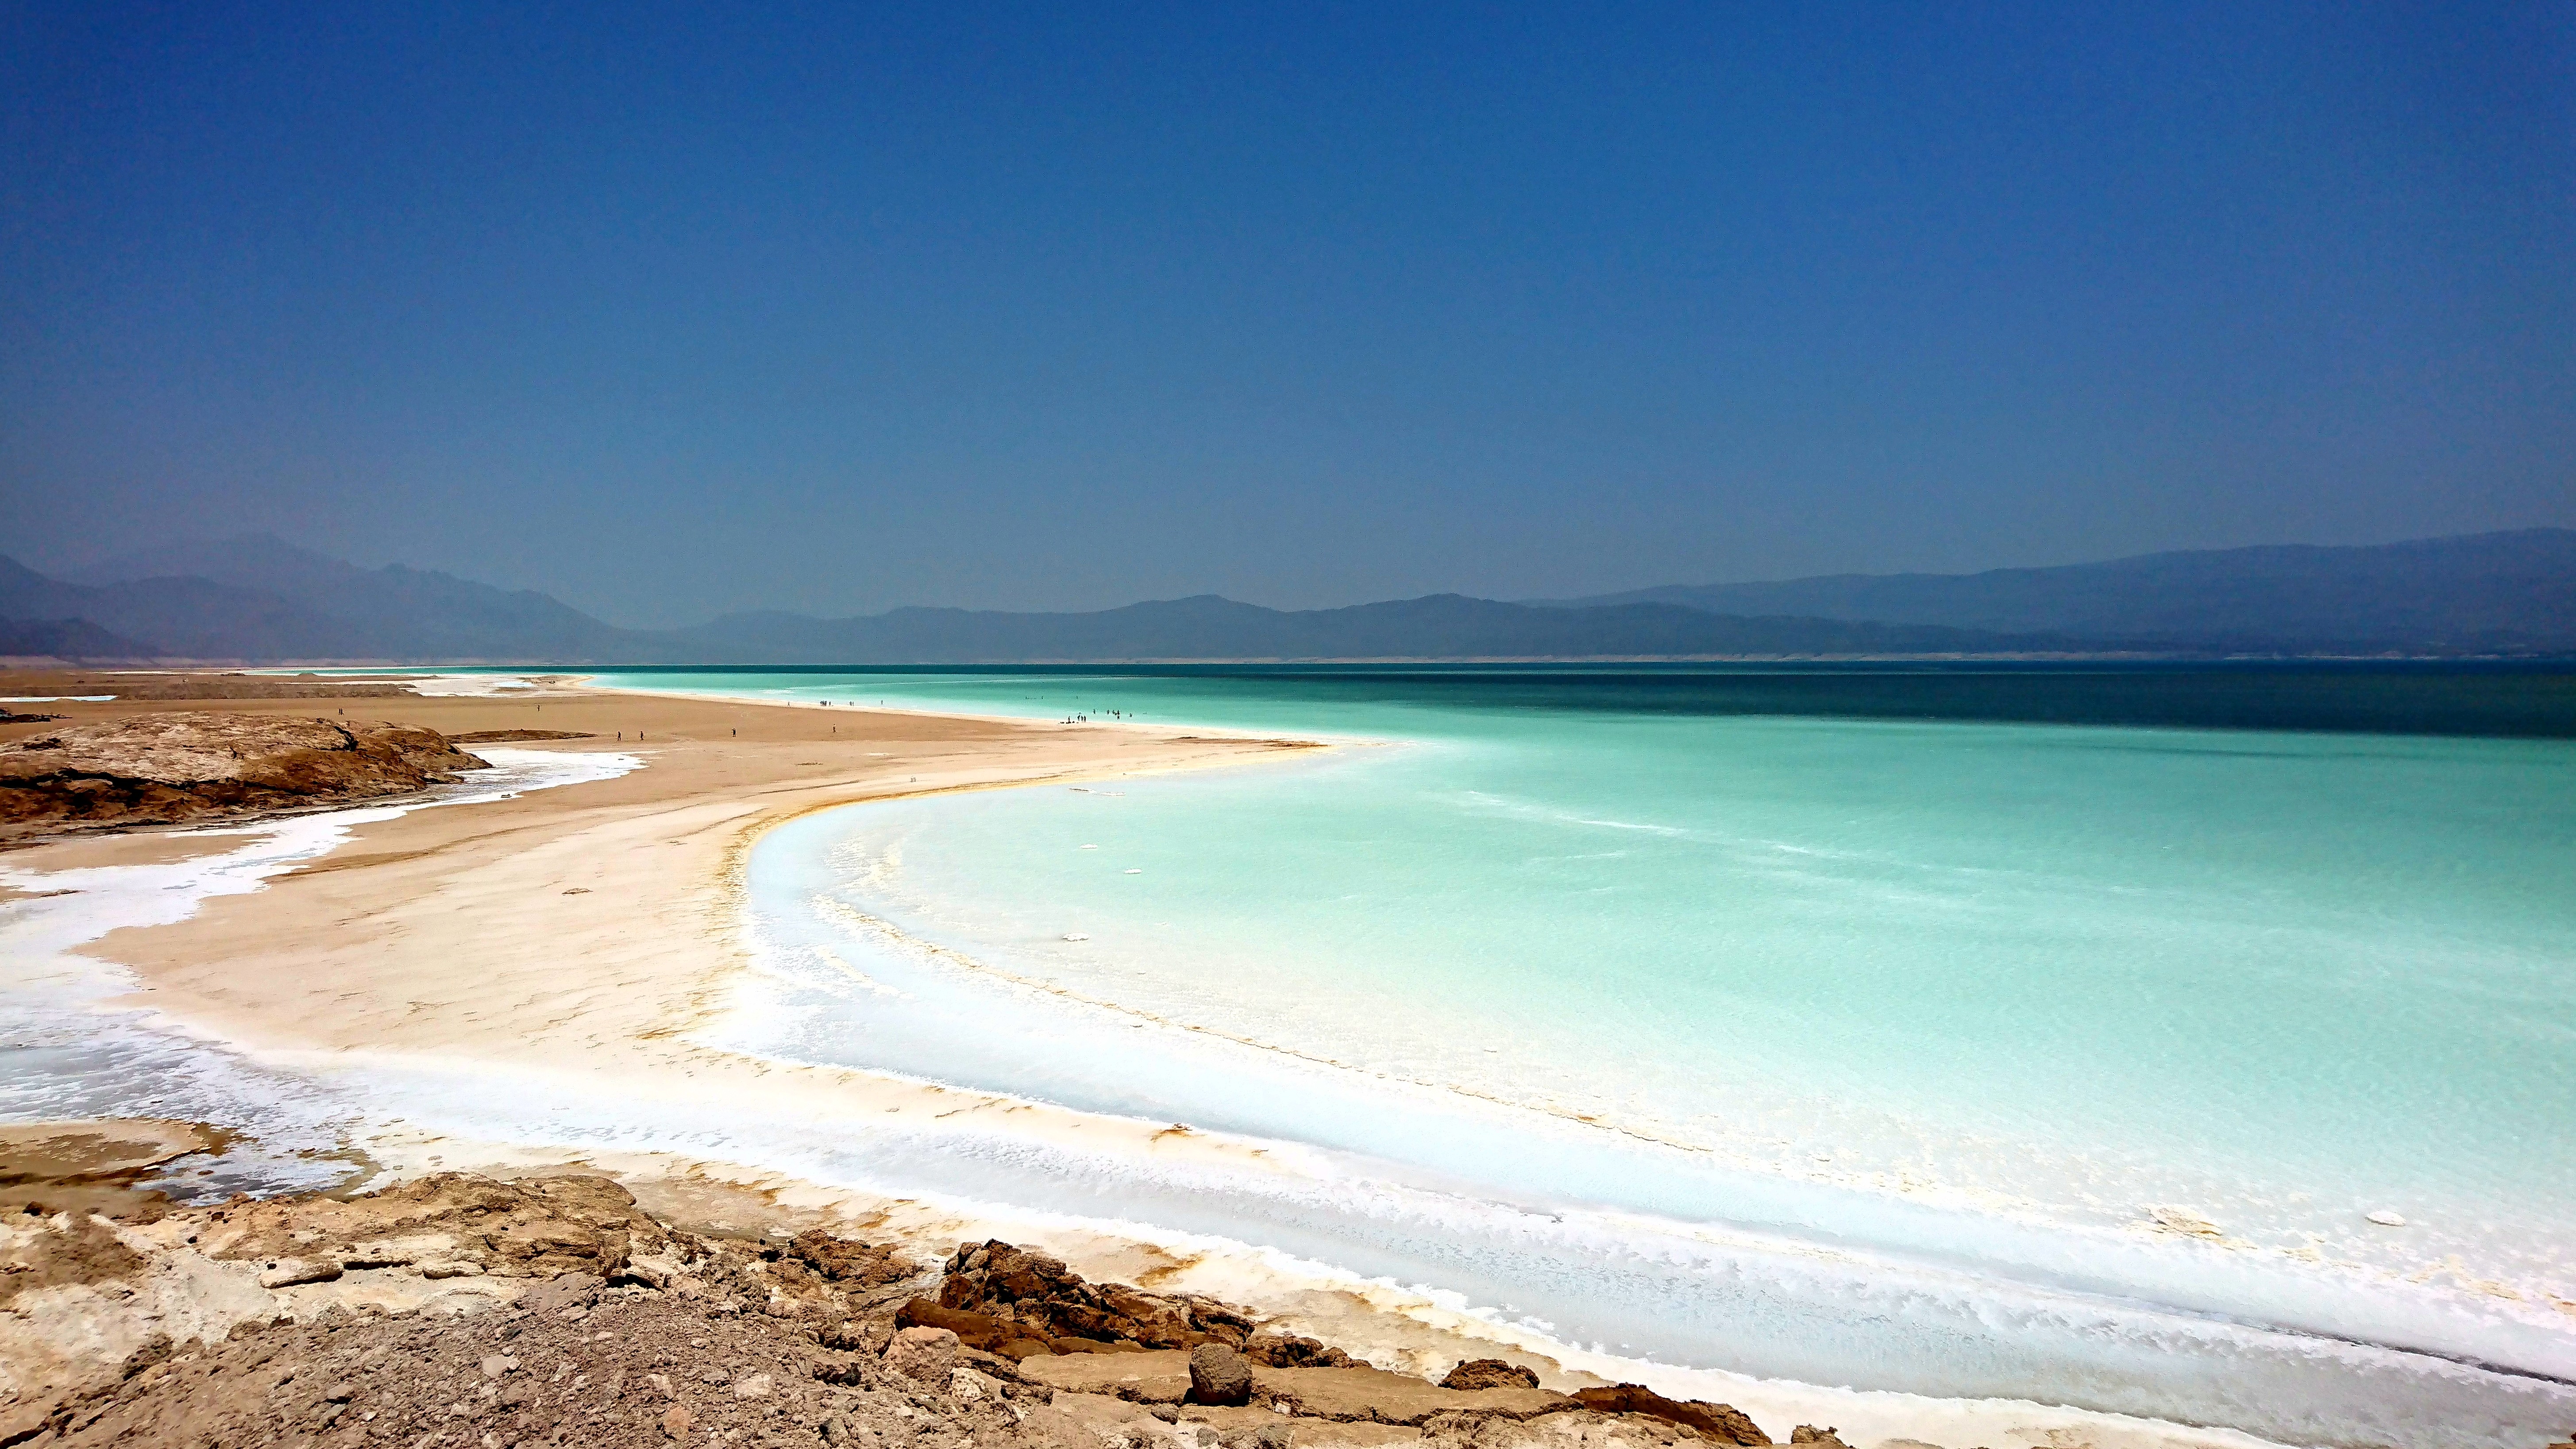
(576, 938)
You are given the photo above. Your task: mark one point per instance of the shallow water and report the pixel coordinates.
(64, 1057)
(1964, 1056)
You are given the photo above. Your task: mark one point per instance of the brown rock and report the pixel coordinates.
(1282, 1350)
(975, 1330)
(1159, 1376)
(574, 1230)
(562, 1293)
(860, 1335)
(924, 1355)
(1490, 1373)
(20, 1423)
(326, 1376)
(1722, 1422)
(1219, 1375)
(840, 1260)
(1357, 1393)
(1050, 1301)
(1810, 1434)
(193, 765)
(676, 1421)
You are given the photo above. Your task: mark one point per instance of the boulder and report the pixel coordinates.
(1490, 1373)
(1219, 1375)
(925, 1355)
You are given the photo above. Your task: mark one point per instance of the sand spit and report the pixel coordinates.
(578, 935)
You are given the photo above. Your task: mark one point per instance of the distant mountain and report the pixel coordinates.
(391, 613)
(2506, 592)
(1440, 626)
(260, 599)
(64, 639)
(191, 618)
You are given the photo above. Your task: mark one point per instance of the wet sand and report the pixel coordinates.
(585, 928)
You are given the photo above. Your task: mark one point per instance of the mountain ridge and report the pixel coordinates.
(259, 599)
(2513, 589)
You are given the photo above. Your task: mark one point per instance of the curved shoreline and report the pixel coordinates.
(641, 1049)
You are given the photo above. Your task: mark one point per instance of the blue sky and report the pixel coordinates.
(675, 310)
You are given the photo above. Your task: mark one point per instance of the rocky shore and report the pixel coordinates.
(189, 766)
(462, 1310)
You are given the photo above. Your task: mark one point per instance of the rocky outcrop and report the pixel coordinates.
(460, 1310)
(446, 1225)
(1490, 1373)
(186, 766)
(1719, 1422)
(1355, 1395)
(1016, 1303)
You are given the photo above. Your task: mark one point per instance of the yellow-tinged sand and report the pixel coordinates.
(577, 935)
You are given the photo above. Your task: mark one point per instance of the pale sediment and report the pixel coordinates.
(581, 934)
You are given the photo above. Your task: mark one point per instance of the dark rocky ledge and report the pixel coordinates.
(177, 767)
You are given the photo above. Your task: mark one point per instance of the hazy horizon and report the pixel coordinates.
(77, 567)
(672, 314)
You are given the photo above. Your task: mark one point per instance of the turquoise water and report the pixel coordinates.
(1963, 1055)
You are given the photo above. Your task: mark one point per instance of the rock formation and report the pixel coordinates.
(1219, 1375)
(1490, 1373)
(1718, 1423)
(1016, 1303)
(458, 1310)
(185, 766)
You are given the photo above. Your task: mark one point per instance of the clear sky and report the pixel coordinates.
(679, 310)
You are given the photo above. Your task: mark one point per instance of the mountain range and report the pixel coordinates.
(259, 599)
(2487, 592)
